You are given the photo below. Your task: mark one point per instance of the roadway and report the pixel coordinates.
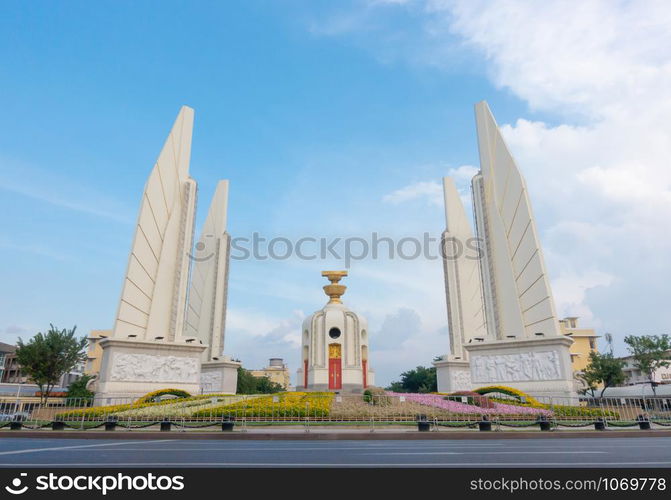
(518, 453)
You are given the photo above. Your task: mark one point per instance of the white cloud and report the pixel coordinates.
(431, 190)
(570, 291)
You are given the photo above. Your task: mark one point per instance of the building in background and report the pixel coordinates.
(11, 373)
(276, 371)
(94, 353)
(584, 342)
(5, 350)
(11, 370)
(634, 376)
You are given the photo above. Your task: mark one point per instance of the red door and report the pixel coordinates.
(364, 368)
(305, 374)
(335, 373)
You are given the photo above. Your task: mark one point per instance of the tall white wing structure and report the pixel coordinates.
(153, 297)
(206, 313)
(466, 319)
(516, 288)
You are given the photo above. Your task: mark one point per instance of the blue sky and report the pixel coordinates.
(331, 119)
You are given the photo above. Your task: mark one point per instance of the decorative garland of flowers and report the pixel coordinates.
(151, 396)
(112, 410)
(457, 408)
(523, 399)
(520, 396)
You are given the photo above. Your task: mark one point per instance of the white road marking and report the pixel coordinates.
(252, 450)
(61, 448)
(331, 465)
(489, 453)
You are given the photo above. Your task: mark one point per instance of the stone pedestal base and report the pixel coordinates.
(453, 375)
(540, 367)
(219, 377)
(352, 380)
(132, 368)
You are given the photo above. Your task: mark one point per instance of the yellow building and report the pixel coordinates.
(584, 342)
(94, 353)
(276, 371)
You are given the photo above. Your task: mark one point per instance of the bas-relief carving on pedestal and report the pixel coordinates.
(520, 367)
(461, 381)
(150, 368)
(211, 381)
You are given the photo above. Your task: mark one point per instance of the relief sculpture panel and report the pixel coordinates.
(151, 368)
(519, 367)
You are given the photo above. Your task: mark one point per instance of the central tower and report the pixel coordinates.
(334, 347)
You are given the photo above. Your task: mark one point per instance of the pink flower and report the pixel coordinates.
(438, 401)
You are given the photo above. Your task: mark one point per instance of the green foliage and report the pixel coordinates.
(603, 368)
(78, 394)
(589, 380)
(650, 352)
(266, 386)
(376, 396)
(46, 357)
(420, 379)
(249, 384)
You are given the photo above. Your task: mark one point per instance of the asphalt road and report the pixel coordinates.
(569, 452)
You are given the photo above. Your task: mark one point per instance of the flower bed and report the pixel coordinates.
(454, 407)
(281, 405)
(523, 400)
(123, 410)
(356, 408)
(472, 398)
(180, 408)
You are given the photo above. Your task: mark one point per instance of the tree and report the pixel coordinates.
(650, 352)
(78, 394)
(603, 368)
(589, 382)
(46, 357)
(249, 384)
(266, 386)
(420, 379)
(246, 382)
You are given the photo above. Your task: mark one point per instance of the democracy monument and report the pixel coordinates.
(334, 348)
(170, 324)
(502, 322)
